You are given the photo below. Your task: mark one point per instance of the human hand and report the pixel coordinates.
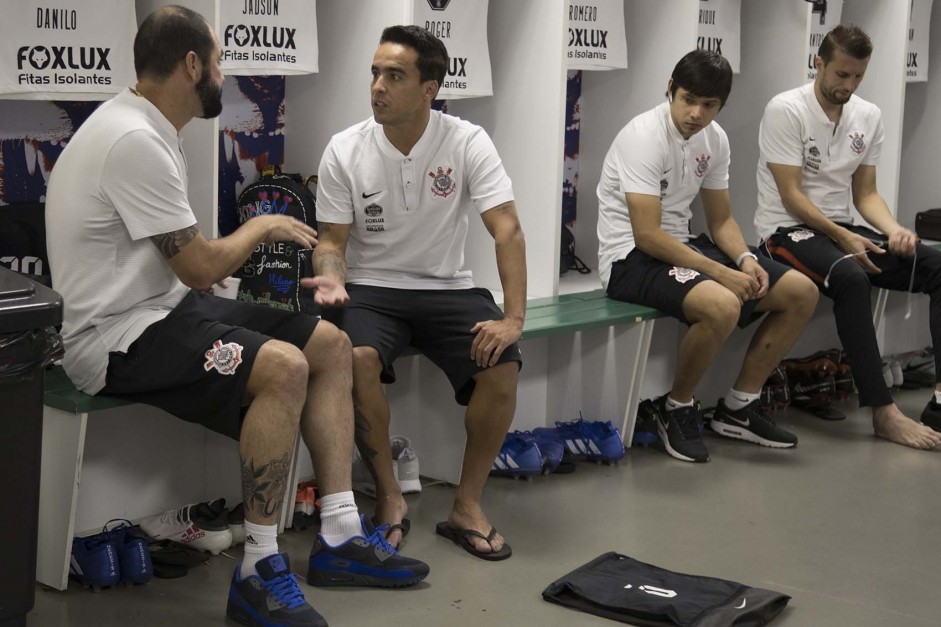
(860, 247)
(740, 283)
(492, 338)
(752, 268)
(327, 291)
(902, 242)
(281, 228)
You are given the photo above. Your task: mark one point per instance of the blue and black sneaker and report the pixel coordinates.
(271, 598)
(596, 441)
(366, 560)
(133, 554)
(519, 456)
(94, 562)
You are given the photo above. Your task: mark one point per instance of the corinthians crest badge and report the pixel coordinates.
(223, 357)
(441, 182)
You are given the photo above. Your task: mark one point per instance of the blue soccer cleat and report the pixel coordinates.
(133, 554)
(519, 456)
(595, 441)
(94, 562)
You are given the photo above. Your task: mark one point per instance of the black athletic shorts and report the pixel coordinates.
(644, 280)
(436, 322)
(195, 363)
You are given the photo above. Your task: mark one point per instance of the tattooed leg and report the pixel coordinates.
(264, 485)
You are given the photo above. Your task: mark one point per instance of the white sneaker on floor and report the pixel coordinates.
(405, 465)
(203, 526)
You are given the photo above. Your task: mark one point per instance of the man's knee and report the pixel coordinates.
(280, 368)
(717, 307)
(850, 282)
(367, 367)
(499, 382)
(797, 293)
(329, 349)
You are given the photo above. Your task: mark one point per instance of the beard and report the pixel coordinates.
(210, 96)
(832, 98)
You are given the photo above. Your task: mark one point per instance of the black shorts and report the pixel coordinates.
(195, 363)
(436, 322)
(644, 280)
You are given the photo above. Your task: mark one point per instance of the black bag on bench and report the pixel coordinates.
(928, 224)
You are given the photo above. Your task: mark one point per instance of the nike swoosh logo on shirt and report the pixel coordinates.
(365, 195)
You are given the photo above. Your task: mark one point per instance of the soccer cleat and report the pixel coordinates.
(366, 560)
(203, 526)
(551, 447)
(518, 457)
(751, 424)
(271, 598)
(931, 417)
(595, 441)
(645, 427)
(405, 464)
(680, 431)
(133, 553)
(95, 562)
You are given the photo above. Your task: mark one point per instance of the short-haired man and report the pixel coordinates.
(133, 269)
(654, 169)
(819, 147)
(394, 196)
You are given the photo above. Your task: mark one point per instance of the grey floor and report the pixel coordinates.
(846, 524)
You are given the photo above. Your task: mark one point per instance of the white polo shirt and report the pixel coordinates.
(410, 212)
(796, 131)
(649, 156)
(120, 180)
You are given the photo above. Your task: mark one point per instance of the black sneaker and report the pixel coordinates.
(271, 598)
(931, 417)
(680, 431)
(366, 560)
(751, 424)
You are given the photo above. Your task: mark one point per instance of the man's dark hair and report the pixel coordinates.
(432, 54)
(849, 38)
(704, 74)
(165, 38)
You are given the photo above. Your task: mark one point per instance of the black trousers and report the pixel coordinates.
(849, 286)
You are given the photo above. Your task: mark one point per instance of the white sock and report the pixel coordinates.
(260, 542)
(736, 400)
(937, 396)
(672, 404)
(339, 518)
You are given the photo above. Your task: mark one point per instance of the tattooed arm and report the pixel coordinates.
(199, 262)
(330, 265)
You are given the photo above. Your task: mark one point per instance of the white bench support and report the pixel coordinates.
(637, 379)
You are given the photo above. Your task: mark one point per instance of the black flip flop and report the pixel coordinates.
(459, 537)
(405, 526)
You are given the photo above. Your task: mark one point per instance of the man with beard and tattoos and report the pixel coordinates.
(819, 145)
(134, 272)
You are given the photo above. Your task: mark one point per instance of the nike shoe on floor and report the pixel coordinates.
(751, 424)
(94, 562)
(366, 560)
(595, 441)
(405, 464)
(680, 431)
(518, 457)
(203, 526)
(931, 417)
(271, 598)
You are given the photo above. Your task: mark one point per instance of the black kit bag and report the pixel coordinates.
(625, 590)
(928, 224)
(271, 275)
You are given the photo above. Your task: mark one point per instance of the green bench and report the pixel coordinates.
(66, 413)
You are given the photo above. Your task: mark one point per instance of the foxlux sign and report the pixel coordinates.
(596, 35)
(461, 25)
(262, 37)
(82, 53)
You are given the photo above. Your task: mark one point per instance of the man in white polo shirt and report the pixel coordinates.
(394, 197)
(655, 168)
(819, 147)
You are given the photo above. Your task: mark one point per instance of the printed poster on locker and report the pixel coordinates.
(720, 29)
(462, 26)
(596, 35)
(919, 25)
(823, 18)
(268, 37)
(66, 50)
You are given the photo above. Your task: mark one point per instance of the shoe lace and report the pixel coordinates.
(378, 541)
(285, 589)
(686, 420)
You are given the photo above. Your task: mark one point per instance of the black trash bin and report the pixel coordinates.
(28, 342)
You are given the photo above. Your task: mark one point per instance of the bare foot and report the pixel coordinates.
(472, 517)
(890, 423)
(391, 510)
